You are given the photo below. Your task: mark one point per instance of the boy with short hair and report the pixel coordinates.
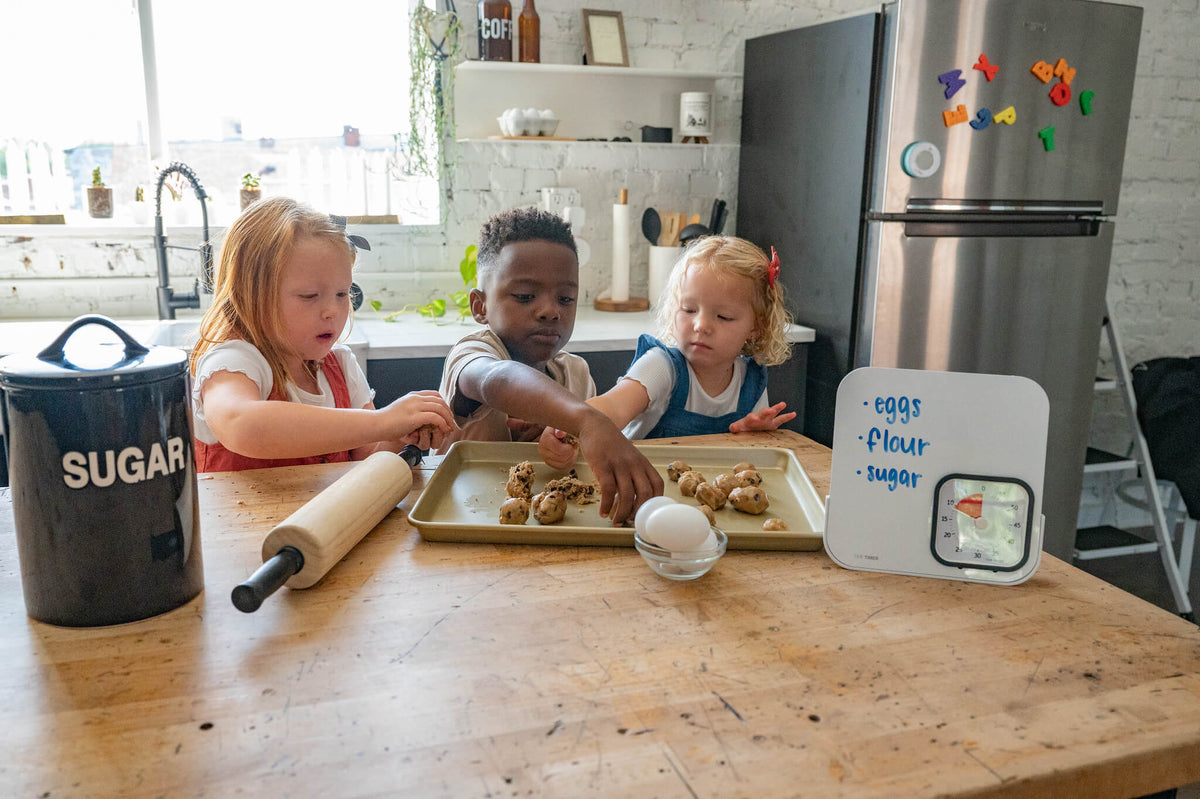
(513, 378)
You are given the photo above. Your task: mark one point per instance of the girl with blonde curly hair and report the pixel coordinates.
(723, 322)
(271, 384)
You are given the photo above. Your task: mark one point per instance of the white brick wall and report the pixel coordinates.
(1154, 285)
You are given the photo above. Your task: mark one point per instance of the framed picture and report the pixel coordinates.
(604, 37)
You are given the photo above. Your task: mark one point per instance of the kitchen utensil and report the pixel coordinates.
(670, 234)
(301, 549)
(662, 260)
(103, 478)
(691, 232)
(653, 134)
(712, 217)
(651, 225)
(719, 226)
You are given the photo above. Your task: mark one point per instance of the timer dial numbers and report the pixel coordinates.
(982, 522)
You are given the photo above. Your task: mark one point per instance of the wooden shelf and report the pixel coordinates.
(590, 102)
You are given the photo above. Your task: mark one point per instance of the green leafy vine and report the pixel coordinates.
(433, 44)
(460, 300)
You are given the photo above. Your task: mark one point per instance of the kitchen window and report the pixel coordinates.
(314, 103)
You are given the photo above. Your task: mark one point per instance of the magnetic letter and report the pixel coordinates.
(983, 118)
(1007, 116)
(1060, 94)
(952, 118)
(1043, 71)
(989, 70)
(1047, 137)
(1061, 70)
(953, 81)
(1085, 101)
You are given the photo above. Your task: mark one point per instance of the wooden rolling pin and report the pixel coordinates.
(302, 548)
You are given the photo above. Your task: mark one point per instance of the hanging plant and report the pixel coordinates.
(434, 49)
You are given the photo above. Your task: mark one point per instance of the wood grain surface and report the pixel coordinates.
(479, 670)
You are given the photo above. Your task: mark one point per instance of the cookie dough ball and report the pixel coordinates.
(708, 494)
(727, 482)
(749, 477)
(675, 469)
(708, 513)
(744, 466)
(520, 480)
(774, 525)
(688, 483)
(749, 499)
(551, 509)
(514, 510)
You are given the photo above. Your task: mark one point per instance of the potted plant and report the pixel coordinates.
(141, 210)
(100, 204)
(250, 193)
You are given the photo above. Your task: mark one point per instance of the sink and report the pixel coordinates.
(179, 333)
(182, 333)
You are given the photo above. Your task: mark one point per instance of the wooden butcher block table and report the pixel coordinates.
(485, 670)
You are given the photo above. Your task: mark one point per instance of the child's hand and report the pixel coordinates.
(419, 417)
(768, 418)
(559, 450)
(626, 478)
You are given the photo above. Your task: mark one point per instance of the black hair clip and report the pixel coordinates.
(358, 241)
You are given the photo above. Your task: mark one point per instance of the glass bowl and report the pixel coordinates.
(681, 565)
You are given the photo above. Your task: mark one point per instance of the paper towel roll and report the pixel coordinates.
(620, 260)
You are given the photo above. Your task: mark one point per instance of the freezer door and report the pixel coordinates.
(938, 59)
(1002, 305)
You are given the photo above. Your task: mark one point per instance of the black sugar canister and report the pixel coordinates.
(103, 478)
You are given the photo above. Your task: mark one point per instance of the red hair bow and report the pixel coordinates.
(773, 268)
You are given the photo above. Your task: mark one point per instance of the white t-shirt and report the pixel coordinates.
(241, 356)
(491, 424)
(657, 375)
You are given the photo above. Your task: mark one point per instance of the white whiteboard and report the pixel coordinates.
(898, 433)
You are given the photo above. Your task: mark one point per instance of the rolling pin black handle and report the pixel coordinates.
(270, 576)
(412, 454)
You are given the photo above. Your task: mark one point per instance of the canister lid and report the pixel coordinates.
(92, 364)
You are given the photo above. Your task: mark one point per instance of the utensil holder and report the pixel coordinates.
(662, 260)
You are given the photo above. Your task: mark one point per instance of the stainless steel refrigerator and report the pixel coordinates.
(939, 179)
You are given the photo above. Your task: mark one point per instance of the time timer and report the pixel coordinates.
(982, 522)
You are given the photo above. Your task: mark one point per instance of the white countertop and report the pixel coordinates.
(372, 338)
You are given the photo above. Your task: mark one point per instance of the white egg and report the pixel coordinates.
(679, 528)
(532, 113)
(546, 113)
(648, 507)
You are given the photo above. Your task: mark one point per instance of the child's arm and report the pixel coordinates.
(769, 418)
(626, 478)
(622, 403)
(267, 429)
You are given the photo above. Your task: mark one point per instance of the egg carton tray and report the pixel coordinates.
(461, 502)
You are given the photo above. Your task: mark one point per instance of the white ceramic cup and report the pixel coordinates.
(662, 260)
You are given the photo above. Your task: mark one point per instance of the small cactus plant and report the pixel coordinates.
(97, 182)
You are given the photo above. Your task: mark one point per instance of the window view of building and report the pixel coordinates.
(312, 105)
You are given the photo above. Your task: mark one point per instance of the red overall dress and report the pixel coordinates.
(216, 458)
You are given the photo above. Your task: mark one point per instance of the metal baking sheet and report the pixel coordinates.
(461, 502)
